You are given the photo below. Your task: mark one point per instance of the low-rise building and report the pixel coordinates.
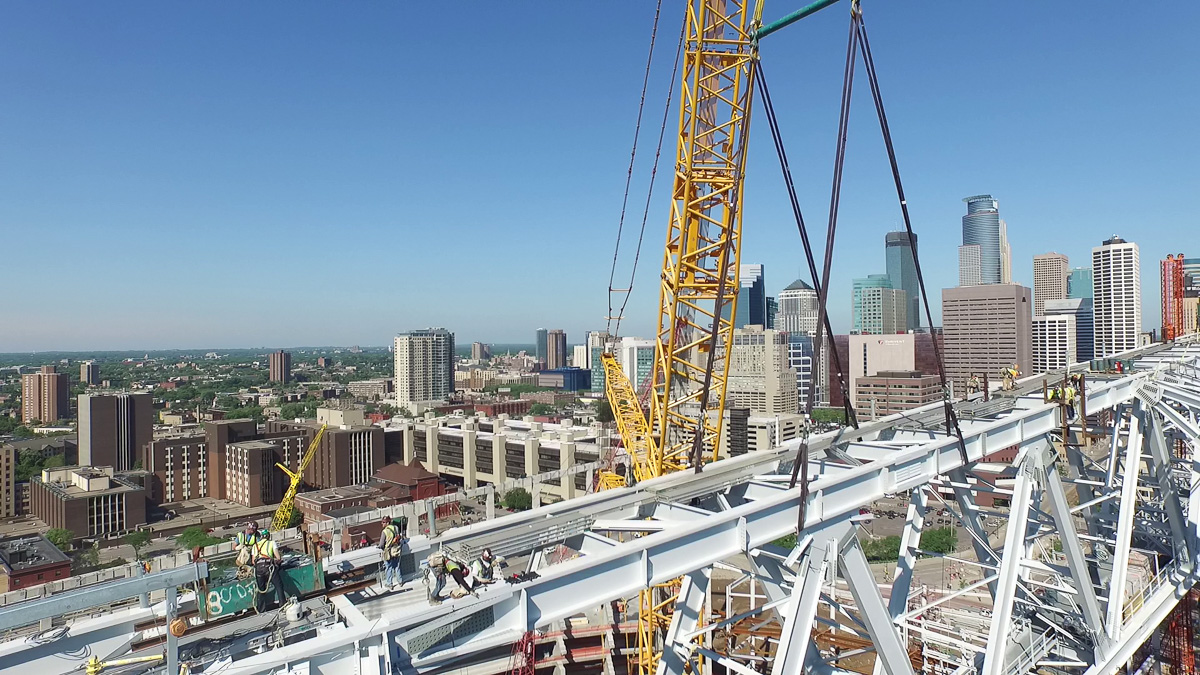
(89, 501)
(893, 391)
(568, 379)
(376, 389)
(30, 560)
(515, 408)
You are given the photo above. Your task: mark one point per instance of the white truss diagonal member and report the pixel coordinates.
(1125, 520)
(1010, 568)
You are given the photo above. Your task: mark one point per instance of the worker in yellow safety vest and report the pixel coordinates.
(392, 541)
(244, 543)
(266, 569)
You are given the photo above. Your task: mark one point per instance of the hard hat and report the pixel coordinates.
(265, 533)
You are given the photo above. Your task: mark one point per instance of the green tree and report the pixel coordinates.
(886, 549)
(195, 536)
(295, 519)
(829, 415)
(518, 499)
(940, 540)
(138, 541)
(604, 411)
(541, 409)
(86, 559)
(60, 538)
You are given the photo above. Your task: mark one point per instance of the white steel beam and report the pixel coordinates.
(1125, 522)
(1010, 568)
(1073, 550)
(677, 647)
(794, 639)
(889, 647)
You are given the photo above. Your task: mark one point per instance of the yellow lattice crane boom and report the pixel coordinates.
(284, 513)
(698, 292)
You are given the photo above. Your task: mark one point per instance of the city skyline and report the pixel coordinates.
(139, 164)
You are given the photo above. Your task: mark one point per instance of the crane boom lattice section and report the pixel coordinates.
(700, 264)
(284, 513)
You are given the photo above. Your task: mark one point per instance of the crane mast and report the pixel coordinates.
(698, 294)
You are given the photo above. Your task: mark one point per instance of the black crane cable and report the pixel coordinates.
(872, 78)
(637, 130)
(662, 130)
(785, 167)
(800, 465)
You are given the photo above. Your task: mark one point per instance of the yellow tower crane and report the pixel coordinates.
(283, 514)
(698, 293)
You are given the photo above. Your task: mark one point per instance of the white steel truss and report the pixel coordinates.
(1100, 542)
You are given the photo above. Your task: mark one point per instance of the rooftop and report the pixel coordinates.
(28, 551)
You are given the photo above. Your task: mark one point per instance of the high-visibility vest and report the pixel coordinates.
(390, 534)
(265, 549)
(244, 539)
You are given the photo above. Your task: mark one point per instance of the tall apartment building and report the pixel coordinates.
(759, 376)
(1080, 309)
(1117, 301)
(986, 328)
(347, 455)
(556, 349)
(178, 466)
(970, 265)
(859, 288)
(981, 226)
(480, 352)
(798, 305)
(424, 368)
(884, 311)
(580, 358)
(1050, 274)
(1079, 283)
(89, 373)
(217, 437)
(1054, 341)
(901, 252)
(539, 347)
(636, 356)
(752, 296)
(114, 428)
(280, 366)
(871, 354)
(45, 396)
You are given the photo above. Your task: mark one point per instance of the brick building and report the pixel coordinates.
(178, 467)
(346, 455)
(30, 560)
(515, 408)
(88, 501)
(888, 392)
(45, 396)
(113, 429)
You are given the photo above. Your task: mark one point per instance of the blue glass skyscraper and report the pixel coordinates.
(871, 281)
(902, 271)
(752, 297)
(981, 226)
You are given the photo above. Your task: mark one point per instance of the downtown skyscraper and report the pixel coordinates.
(1050, 274)
(752, 297)
(424, 368)
(901, 254)
(1117, 302)
(982, 227)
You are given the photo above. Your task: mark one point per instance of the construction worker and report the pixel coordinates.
(266, 569)
(973, 385)
(244, 543)
(484, 567)
(1010, 377)
(1069, 399)
(392, 541)
(439, 567)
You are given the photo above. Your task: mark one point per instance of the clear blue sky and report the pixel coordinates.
(233, 174)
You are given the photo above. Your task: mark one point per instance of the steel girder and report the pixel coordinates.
(746, 506)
